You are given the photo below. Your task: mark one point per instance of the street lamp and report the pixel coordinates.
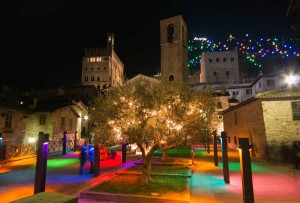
(291, 79)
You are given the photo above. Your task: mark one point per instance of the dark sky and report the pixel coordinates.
(42, 41)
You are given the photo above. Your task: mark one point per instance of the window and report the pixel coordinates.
(224, 59)
(248, 91)
(104, 68)
(232, 59)
(86, 78)
(235, 140)
(227, 75)
(8, 120)
(217, 60)
(209, 60)
(171, 78)
(98, 68)
(92, 68)
(219, 105)
(271, 82)
(217, 76)
(92, 78)
(85, 68)
(42, 119)
(170, 33)
(296, 110)
(104, 87)
(98, 78)
(235, 117)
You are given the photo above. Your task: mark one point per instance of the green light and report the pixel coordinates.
(59, 163)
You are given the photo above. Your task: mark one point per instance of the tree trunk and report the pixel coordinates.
(146, 170)
(165, 156)
(146, 162)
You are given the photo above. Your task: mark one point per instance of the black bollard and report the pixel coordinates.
(75, 140)
(246, 172)
(65, 143)
(96, 160)
(215, 148)
(124, 153)
(41, 163)
(225, 157)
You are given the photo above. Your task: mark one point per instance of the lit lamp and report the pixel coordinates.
(291, 79)
(31, 139)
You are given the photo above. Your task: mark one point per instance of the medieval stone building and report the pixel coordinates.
(102, 67)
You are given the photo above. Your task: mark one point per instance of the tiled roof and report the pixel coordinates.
(280, 93)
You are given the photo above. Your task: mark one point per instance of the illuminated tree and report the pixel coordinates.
(151, 115)
(183, 116)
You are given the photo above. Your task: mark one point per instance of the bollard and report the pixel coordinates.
(96, 160)
(225, 157)
(215, 148)
(75, 140)
(65, 143)
(246, 172)
(124, 153)
(41, 163)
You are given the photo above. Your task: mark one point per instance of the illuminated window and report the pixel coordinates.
(170, 33)
(8, 120)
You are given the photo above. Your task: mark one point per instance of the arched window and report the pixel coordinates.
(171, 78)
(170, 30)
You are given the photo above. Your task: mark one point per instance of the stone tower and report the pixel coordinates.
(174, 49)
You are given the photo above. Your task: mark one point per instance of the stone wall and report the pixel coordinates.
(15, 134)
(246, 121)
(281, 129)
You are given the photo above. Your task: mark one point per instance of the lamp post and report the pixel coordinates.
(225, 157)
(41, 163)
(215, 148)
(65, 143)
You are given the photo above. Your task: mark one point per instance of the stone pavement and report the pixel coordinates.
(272, 183)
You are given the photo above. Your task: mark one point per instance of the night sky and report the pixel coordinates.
(42, 42)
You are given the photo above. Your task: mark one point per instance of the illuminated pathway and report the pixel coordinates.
(271, 183)
(17, 179)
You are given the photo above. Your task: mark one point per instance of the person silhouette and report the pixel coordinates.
(83, 154)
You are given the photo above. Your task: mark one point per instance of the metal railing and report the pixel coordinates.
(24, 150)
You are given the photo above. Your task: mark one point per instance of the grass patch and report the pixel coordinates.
(132, 184)
(164, 169)
(178, 151)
